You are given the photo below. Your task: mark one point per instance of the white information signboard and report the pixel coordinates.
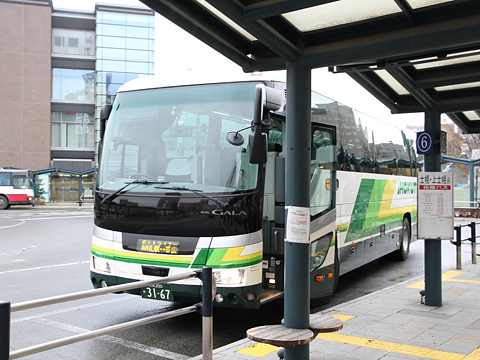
(435, 205)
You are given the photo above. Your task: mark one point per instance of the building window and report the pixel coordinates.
(72, 130)
(73, 84)
(74, 42)
(125, 51)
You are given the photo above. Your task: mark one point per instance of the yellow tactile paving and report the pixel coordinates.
(399, 348)
(412, 350)
(474, 355)
(418, 285)
(331, 336)
(343, 317)
(443, 355)
(382, 345)
(446, 276)
(449, 275)
(259, 350)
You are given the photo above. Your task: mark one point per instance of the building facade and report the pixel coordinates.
(58, 68)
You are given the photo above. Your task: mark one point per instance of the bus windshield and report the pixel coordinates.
(177, 137)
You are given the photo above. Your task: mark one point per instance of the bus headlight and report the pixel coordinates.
(101, 264)
(231, 277)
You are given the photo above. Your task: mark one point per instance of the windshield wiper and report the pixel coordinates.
(198, 192)
(136, 182)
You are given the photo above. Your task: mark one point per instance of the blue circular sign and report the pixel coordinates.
(424, 142)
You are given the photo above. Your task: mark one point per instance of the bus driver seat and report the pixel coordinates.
(179, 170)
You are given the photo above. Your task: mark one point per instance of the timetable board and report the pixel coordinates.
(435, 205)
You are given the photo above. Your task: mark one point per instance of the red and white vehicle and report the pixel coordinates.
(16, 187)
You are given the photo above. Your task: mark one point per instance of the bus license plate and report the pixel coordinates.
(158, 292)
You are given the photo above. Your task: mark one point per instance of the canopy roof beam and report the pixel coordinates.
(407, 10)
(445, 76)
(259, 29)
(269, 8)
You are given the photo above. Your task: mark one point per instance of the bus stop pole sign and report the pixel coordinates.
(435, 205)
(424, 142)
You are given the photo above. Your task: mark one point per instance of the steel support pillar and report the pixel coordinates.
(471, 168)
(433, 248)
(80, 190)
(297, 193)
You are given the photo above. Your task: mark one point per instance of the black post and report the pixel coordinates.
(473, 239)
(207, 313)
(80, 190)
(433, 247)
(458, 245)
(4, 330)
(297, 194)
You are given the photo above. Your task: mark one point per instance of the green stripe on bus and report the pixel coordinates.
(175, 263)
(367, 215)
(213, 258)
(139, 260)
(357, 220)
(216, 256)
(201, 258)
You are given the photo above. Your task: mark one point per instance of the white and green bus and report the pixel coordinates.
(181, 186)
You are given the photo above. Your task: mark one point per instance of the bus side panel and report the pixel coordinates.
(370, 210)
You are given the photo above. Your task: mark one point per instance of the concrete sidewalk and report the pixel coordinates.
(394, 324)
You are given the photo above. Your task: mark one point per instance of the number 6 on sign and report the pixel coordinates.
(424, 142)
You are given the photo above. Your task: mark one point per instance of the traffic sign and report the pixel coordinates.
(424, 142)
(443, 142)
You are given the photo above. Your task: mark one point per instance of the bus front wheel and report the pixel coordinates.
(405, 238)
(3, 203)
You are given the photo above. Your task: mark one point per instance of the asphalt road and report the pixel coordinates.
(46, 252)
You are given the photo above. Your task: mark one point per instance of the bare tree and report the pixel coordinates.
(462, 145)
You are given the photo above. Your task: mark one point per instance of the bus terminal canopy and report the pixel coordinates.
(412, 55)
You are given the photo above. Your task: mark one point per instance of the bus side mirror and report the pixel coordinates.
(266, 99)
(258, 143)
(104, 114)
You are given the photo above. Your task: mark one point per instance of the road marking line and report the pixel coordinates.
(115, 340)
(43, 267)
(60, 217)
(10, 226)
(72, 308)
(49, 218)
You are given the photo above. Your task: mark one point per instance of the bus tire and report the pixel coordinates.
(405, 239)
(3, 203)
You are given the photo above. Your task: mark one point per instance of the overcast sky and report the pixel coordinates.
(177, 53)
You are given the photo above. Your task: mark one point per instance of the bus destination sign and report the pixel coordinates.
(158, 247)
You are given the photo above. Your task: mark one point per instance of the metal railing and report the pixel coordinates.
(467, 204)
(205, 308)
(467, 232)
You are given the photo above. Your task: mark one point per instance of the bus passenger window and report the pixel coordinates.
(322, 171)
(275, 140)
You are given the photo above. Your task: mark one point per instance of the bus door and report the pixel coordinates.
(323, 250)
(323, 254)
